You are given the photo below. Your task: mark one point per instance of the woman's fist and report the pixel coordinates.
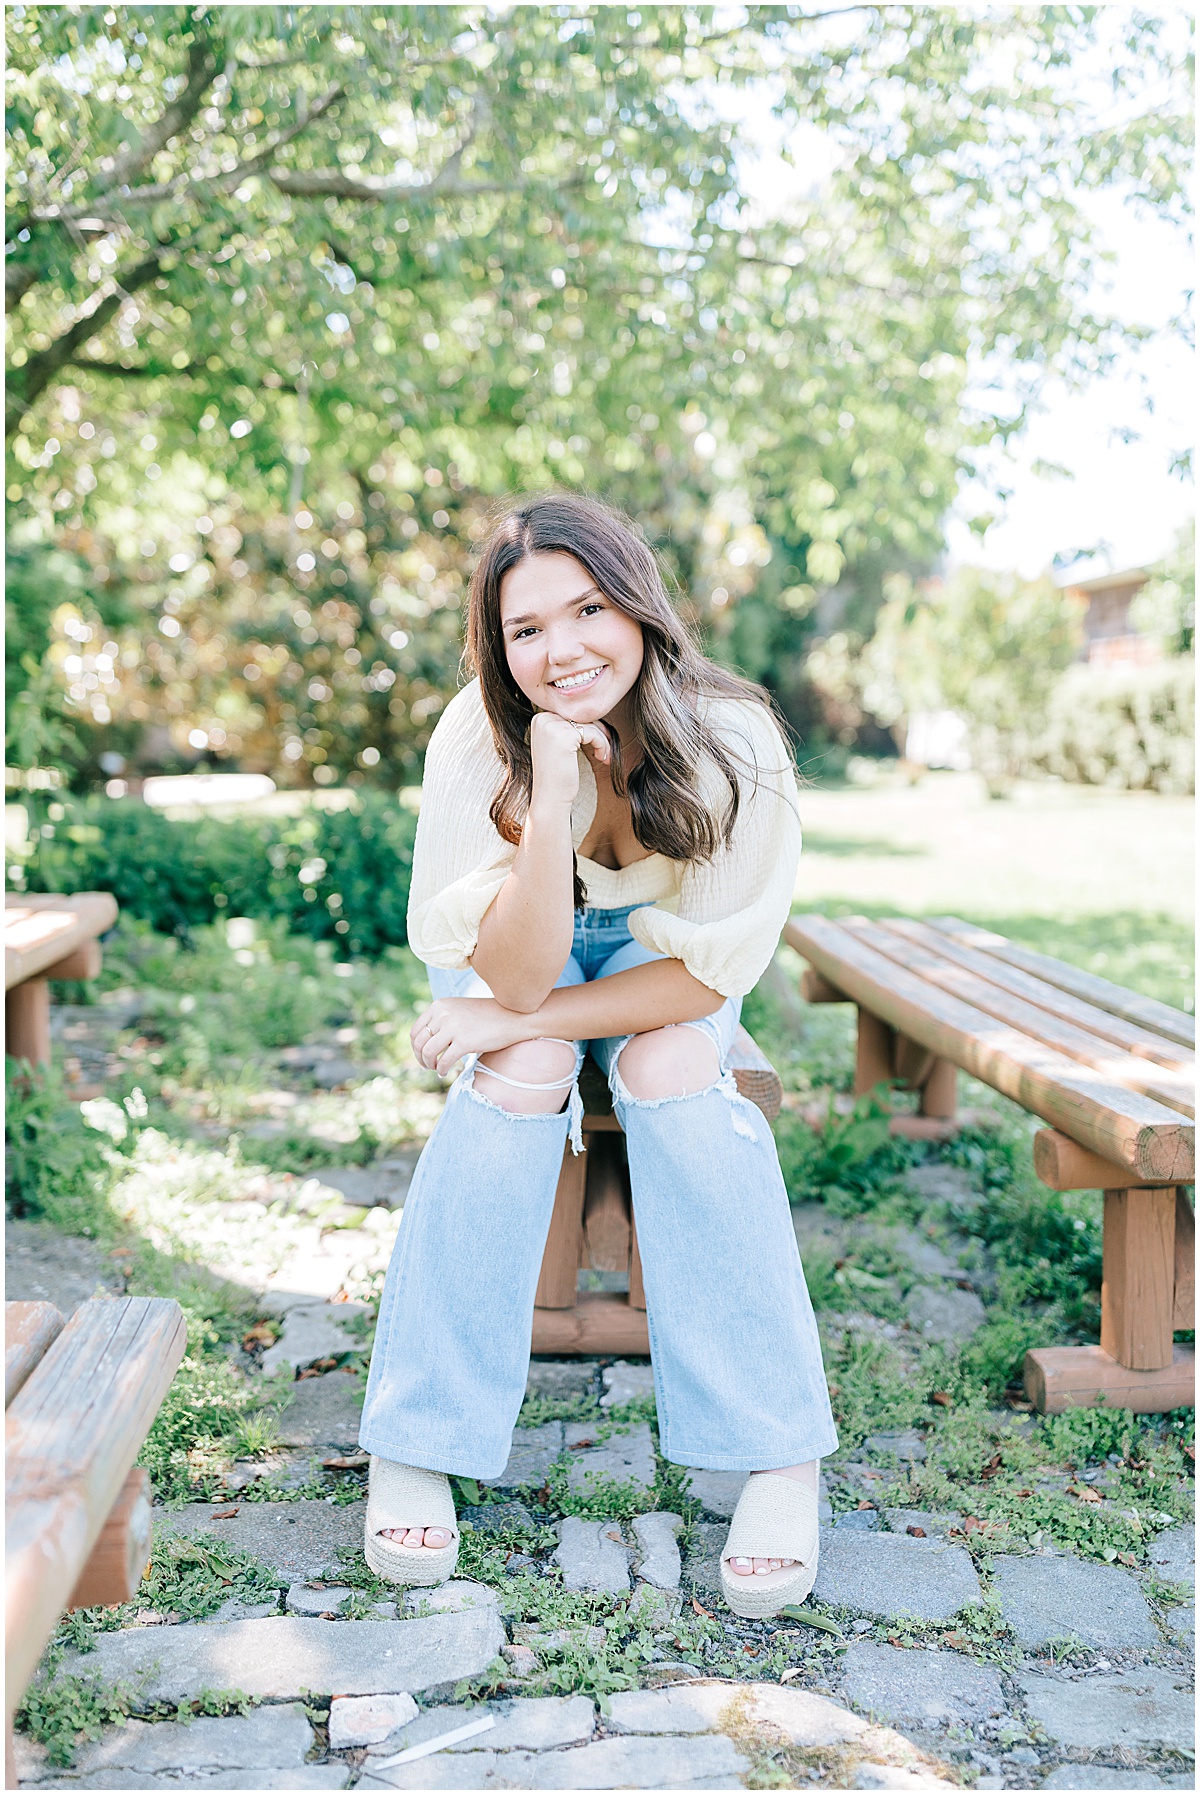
(554, 744)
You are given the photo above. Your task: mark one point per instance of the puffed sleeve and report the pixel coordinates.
(730, 911)
(459, 861)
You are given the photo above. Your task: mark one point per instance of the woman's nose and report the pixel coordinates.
(563, 647)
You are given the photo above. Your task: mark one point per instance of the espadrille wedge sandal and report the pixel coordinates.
(403, 1496)
(776, 1517)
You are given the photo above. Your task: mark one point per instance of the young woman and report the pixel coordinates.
(605, 857)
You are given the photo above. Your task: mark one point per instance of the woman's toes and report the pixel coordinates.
(742, 1566)
(436, 1538)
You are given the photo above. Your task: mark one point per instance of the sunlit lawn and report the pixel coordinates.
(1103, 879)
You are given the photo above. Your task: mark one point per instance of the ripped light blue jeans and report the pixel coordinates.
(737, 1363)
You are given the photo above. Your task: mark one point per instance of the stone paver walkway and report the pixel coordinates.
(946, 1653)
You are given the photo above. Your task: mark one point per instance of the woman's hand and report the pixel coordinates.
(554, 744)
(452, 1027)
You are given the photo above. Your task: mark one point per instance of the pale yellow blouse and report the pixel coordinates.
(721, 917)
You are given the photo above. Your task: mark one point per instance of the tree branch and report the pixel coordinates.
(175, 118)
(28, 383)
(182, 187)
(312, 183)
(152, 370)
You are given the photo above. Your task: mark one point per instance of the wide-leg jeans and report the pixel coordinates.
(737, 1362)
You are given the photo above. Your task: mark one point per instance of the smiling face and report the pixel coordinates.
(569, 648)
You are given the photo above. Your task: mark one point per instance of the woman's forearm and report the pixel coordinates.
(525, 935)
(627, 1003)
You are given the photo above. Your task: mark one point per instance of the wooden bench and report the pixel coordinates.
(1112, 1074)
(592, 1226)
(79, 1401)
(47, 937)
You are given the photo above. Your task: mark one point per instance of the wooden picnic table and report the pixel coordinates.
(47, 937)
(1111, 1072)
(592, 1226)
(79, 1400)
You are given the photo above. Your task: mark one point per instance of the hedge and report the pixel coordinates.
(1131, 728)
(341, 875)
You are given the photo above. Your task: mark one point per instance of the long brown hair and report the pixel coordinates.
(668, 813)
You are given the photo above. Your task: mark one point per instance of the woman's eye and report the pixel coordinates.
(593, 606)
(527, 631)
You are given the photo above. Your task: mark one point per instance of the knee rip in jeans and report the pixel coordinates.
(567, 1082)
(724, 1085)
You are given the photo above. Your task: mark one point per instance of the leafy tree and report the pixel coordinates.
(372, 266)
(990, 646)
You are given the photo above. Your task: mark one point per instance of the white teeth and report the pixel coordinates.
(574, 680)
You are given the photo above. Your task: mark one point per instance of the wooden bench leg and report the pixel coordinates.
(27, 1022)
(559, 1277)
(1185, 1261)
(1148, 1292)
(939, 1093)
(1138, 1294)
(637, 1290)
(122, 1552)
(874, 1055)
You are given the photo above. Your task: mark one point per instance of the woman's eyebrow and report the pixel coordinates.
(532, 616)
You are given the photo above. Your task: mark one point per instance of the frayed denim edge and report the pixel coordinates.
(465, 1083)
(725, 1086)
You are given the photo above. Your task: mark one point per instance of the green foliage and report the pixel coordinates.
(851, 1158)
(336, 875)
(192, 1577)
(266, 408)
(196, 1429)
(1128, 727)
(1165, 608)
(57, 1169)
(989, 646)
(60, 1714)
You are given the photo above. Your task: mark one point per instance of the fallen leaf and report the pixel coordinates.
(943, 1399)
(259, 1335)
(917, 1532)
(862, 1505)
(349, 1461)
(580, 1445)
(1083, 1492)
(956, 1640)
(972, 1524)
(697, 1609)
(788, 1676)
(225, 1514)
(1127, 1558)
(992, 1467)
(808, 1617)
(311, 1372)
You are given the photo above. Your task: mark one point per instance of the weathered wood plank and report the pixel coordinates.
(598, 1323)
(1083, 1377)
(1147, 1012)
(1062, 1164)
(1088, 1016)
(29, 1329)
(1120, 1125)
(902, 942)
(754, 1075)
(43, 928)
(73, 1432)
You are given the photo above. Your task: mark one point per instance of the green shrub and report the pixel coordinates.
(1128, 727)
(337, 875)
(57, 1168)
